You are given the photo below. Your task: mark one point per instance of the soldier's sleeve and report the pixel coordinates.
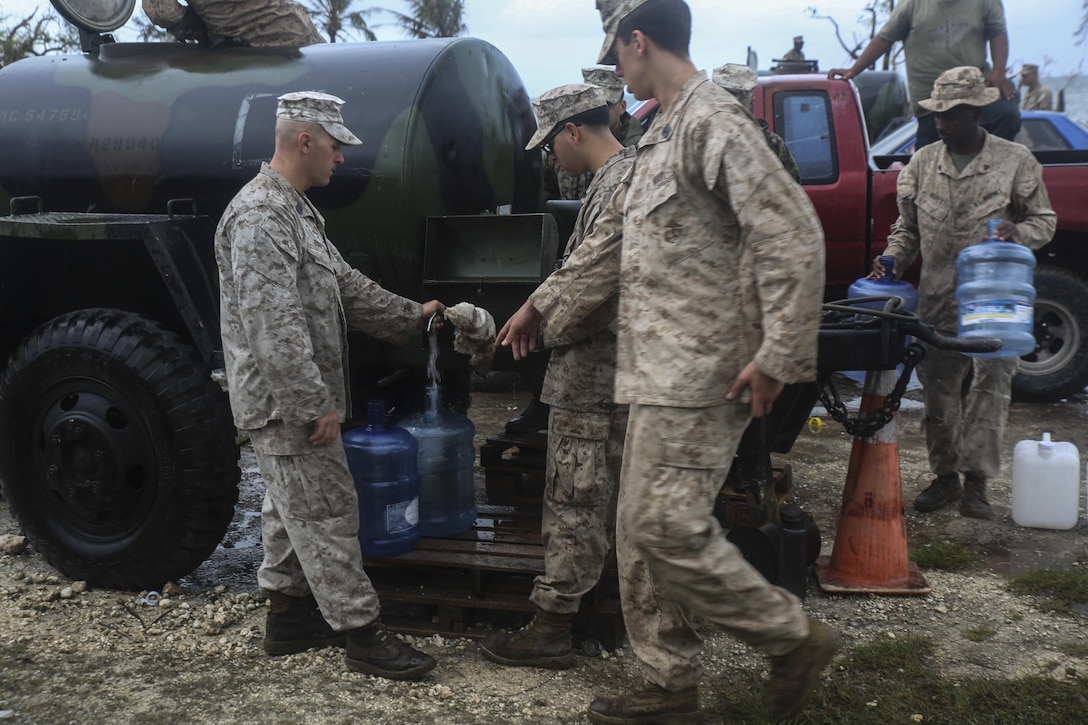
(371, 308)
(780, 227)
(904, 241)
(993, 18)
(164, 13)
(589, 276)
(264, 263)
(898, 26)
(1035, 219)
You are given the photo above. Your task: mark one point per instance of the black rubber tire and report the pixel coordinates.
(117, 450)
(1058, 367)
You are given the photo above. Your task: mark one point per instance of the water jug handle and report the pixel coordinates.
(991, 227)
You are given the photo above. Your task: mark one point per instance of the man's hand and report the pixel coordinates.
(997, 79)
(520, 331)
(844, 73)
(1008, 232)
(325, 429)
(765, 389)
(430, 309)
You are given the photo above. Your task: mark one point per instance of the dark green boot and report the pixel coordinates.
(295, 624)
(544, 642)
(944, 490)
(974, 502)
(375, 650)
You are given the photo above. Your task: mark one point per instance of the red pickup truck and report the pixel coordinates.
(854, 194)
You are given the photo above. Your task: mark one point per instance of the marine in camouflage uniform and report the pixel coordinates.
(740, 80)
(1034, 96)
(720, 292)
(287, 301)
(944, 204)
(246, 22)
(558, 183)
(586, 428)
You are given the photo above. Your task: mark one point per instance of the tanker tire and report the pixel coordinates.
(117, 451)
(1058, 367)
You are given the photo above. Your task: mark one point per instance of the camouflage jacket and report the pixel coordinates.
(722, 260)
(942, 211)
(287, 298)
(581, 374)
(1038, 98)
(778, 145)
(265, 23)
(558, 184)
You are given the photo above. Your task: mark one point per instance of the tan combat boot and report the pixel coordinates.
(295, 624)
(974, 503)
(375, 650)
(648, 704)
(794, 674)
(544, 642)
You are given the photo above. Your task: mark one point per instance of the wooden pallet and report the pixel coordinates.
(459, 585)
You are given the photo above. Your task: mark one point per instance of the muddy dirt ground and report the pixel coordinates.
(70, 653)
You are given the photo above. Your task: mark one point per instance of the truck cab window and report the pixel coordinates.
(803, 119)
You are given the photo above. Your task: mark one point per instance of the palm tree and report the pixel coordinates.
(433, 18)
(331, 16)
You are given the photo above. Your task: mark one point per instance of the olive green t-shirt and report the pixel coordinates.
(941, 34)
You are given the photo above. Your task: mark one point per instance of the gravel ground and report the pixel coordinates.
(70, 653)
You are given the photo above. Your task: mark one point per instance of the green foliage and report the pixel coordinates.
(891, 680)
(339, 22)
(1061, 590)
(944, 555)
(433, 19)
(33, 35)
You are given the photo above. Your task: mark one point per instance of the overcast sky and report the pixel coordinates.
(549, 41)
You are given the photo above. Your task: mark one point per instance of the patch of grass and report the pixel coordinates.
(944, 555)
(888, 681)
(1074, 649)
(1059, 589)
(1016, 616)
(980, 633)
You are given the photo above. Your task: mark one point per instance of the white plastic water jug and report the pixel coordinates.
(1045, 484)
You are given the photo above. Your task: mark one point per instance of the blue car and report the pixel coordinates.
(1039, 131)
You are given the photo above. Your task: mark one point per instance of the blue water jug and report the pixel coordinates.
(886, 286)
(995, 290)
(447, 484)
(383, 461)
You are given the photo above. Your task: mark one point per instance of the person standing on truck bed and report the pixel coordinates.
(942, 34)
(235, 22)
(722, 260)
(586, 428)
(946, 194)
(287, 299)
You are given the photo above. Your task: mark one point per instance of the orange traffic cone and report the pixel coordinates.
(870, 552)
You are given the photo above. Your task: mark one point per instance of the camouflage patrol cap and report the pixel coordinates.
(604, 77)
(1028, 68)
(737, 79)
(557, 105)
(964, 85)
(612, 12)
(320, 108)
(798, 39)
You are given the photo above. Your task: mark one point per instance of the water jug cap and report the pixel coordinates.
(1046, 445)
(888, 262)
(991, 227)
(375, 413)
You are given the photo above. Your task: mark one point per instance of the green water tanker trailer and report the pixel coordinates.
(117, 452)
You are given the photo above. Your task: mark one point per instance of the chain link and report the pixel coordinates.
(868, 424)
